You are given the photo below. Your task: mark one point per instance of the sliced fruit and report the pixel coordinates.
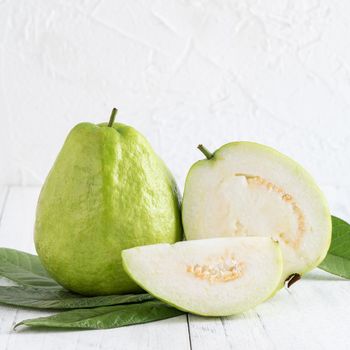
(248, 189)
(210, 277)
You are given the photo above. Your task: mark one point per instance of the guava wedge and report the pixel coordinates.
(209, 277)
(248, 189)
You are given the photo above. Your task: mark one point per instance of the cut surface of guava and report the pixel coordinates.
(248, 189)
(210, 277)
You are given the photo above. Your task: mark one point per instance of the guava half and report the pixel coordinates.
(210, 277)
(248, 189)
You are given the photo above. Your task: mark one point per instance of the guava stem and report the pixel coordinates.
(112, 117)
(208, 154)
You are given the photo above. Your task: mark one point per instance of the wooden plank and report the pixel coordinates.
(16, 232)
(312, 314)
(243, 332)
(166, 334)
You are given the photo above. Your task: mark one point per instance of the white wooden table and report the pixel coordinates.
(313, 314)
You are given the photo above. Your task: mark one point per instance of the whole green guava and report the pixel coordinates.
(107, 191)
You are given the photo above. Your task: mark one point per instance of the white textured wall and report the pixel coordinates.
(182, 72)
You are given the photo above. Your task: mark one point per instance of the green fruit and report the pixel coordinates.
(210, 277)
(106, 192)
(247, 189)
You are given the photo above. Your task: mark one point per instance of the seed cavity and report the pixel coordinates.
(288, 199)
(225, 269)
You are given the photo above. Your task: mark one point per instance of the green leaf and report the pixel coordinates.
(44, 298)
(25, 269)
(337, 260)
(106, 317)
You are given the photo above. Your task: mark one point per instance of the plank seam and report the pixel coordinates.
(189, 330)
(265, 330)
(4, 203)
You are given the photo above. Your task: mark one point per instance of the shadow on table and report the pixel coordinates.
(320, 275)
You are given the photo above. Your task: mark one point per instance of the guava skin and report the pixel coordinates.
(107, 191)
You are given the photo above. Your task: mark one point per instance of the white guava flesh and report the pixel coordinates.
(209, 277)
(247, 189)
